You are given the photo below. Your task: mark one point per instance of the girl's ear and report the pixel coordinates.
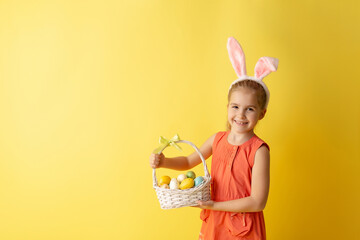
(264, 66)
(237, 56)
(262, 114)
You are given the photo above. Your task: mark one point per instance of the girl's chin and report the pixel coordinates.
(240, 129)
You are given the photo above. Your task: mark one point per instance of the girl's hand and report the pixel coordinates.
(156, 159)
(206, 205)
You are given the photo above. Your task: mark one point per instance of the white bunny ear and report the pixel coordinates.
(265, 66)
(237, 56)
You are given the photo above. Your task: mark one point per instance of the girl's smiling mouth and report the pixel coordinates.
(240, 122)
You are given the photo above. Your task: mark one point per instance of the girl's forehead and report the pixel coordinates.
(243, 95)
(243, 92)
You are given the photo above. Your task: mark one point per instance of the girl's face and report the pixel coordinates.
(244, 111)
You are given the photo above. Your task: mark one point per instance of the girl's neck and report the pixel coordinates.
(238, 139)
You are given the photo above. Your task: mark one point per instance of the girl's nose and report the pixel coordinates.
(242, 114)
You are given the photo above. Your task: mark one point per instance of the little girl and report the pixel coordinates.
(240, 159)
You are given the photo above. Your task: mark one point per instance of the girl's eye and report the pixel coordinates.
(250, 109)
(235, 107)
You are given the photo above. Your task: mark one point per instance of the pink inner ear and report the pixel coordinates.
(265, 66)
(237, 56)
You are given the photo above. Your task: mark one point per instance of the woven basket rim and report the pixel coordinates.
(193, 189)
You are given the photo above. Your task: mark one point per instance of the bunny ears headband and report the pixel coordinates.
(263, 67)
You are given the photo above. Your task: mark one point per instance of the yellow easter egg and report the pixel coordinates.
(164, 180)
(187, 183)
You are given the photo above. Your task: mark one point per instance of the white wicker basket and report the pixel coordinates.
(175, 198)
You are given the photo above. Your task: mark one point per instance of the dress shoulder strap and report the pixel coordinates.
(218, 137)
(256, 144)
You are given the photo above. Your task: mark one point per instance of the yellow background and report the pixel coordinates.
(87, 87)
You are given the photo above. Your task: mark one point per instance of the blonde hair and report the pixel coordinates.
(249, 84)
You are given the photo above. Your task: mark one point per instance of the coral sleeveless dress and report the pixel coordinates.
(231, 171)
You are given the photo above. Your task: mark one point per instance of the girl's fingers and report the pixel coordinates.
(152, 161)
(155, 159)
(154, 164)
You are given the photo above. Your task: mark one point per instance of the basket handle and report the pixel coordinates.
(196, 149)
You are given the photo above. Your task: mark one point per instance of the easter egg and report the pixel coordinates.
(164, 180)
(165, 186)
(174, 184)
(191, 174)
(181, 178)
(199, 180)
(187, 183)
